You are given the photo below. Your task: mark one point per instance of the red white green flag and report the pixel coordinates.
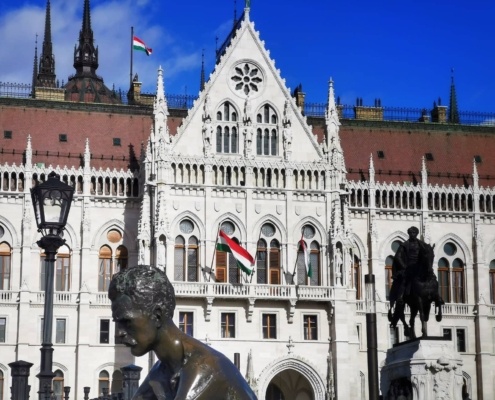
(138, 44)
(245, 261)
(307, 260)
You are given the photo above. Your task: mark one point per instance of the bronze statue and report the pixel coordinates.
(143, 303)
(414, 284)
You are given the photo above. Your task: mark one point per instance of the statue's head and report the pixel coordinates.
(143, 300)
(146, 286)
(413, 232)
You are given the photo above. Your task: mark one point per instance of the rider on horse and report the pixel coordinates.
(413, 263)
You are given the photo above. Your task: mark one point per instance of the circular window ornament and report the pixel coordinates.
(395, 245)
(228, 228)
(246, 79)
(186, 226)
(268, 230)
(114, 236)
(450, 248)
(308, 232)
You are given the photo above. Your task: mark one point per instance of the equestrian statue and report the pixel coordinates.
(415, 284)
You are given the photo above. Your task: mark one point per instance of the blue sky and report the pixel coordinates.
(399, 51)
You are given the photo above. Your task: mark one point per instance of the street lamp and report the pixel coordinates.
(51, 202)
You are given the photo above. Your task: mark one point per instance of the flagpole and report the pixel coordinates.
(297, 251)
(132, 52)
(255, 256)
(214, 252)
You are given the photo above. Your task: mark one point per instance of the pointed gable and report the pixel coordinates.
(246, 108)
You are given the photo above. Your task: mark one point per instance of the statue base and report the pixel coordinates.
(422, 369)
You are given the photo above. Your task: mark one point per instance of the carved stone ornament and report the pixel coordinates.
(246, 79)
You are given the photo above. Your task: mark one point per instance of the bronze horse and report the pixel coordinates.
(416, 286)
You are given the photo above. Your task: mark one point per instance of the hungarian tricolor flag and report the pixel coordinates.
(138, 44)
(307, 260)
(244, 260)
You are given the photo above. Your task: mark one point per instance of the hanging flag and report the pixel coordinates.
(307, 260)
(244, 260)
(138, 44)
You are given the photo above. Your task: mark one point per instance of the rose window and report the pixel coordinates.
(247, 78)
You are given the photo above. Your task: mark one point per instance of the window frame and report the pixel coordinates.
(101, 331)
(227, 128)
(228, 325)
(6, 273)
(63, 338)
(3, 331)
(310, 327)
(269, 323)
(186, 322)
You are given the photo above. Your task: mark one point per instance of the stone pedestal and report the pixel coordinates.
(422, 369)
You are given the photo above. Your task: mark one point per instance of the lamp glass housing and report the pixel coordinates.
(51, 201)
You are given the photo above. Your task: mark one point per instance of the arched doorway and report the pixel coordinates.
(289, 385)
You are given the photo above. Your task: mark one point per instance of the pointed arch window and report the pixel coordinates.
(492, 281)
(268, 263)
(103, 382)
(227, 129)
(62, 270)
(311, 274)
(121, 258)
(356, 277)
(451, 274)
(104, 268)
(117, 382)
(58, 385)
(314, 257)
(5, 261)
(267, 133)
(186, 253)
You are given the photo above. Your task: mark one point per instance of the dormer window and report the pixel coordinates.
(227, 129)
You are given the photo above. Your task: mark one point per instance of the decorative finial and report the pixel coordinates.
(248, 4)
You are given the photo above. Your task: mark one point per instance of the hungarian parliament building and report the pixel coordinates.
(155, 181)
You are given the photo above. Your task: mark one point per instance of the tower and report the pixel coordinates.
(85, 86)
(46, 74)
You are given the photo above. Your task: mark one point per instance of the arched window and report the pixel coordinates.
(227, 135)
(304, 262)
(58, 385)
(492, 281)
(5, 257)
(268, 256)
(267, 133)
(186, 253)
(314, 257)
(226, 266)
(62, 270)
(388, 266)
(117, 382)
(103, 382)
(261, 260)
(451, 274)
(179, 258)
(1, 385)
(104, 268)
(356, 277)
(121, 258)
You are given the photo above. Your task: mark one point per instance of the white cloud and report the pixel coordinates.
(111, 23)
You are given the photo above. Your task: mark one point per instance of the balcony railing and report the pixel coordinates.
(454, 309)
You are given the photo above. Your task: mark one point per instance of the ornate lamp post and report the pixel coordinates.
(371, 336)
(51, 201)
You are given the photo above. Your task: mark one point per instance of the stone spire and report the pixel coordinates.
(424, 172)
(35, 69)
(453, 111)
(85, 54)
(161, 136)
(87, 157)
(46, 74)
(202, 77)
(332, 117)
(29, 152)
(476, 180)
(372, 170)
